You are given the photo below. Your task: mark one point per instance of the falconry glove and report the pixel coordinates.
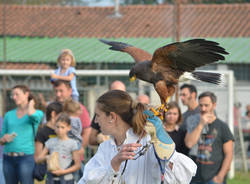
(163, 144)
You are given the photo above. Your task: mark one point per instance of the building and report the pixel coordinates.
(31, 37)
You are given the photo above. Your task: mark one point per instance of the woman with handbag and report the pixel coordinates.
(17, 136)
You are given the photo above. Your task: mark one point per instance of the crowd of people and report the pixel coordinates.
(195, 146)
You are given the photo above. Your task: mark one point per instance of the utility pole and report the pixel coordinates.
(177, 26)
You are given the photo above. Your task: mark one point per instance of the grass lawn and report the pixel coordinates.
(240, 178)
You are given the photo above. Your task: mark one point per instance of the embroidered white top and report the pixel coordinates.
(144, 170)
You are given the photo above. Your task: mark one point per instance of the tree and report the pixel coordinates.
(141, 1)
(183, 1)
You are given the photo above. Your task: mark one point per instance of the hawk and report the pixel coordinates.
(173, 63)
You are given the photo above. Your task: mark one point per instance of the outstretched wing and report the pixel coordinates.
(137, 54)
(186, 56)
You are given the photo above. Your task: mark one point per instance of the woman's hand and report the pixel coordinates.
(127, 152)
(31, 107)
(7, 138)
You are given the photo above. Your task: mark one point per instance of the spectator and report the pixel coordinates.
(173, 118)
(48, 130)
(19, 128)
(2, 181)
(44, 105)
(95, 135)
(69, 160)
(246, 129)
(237, 114)
(215, 143)
(117, 85)
(73, 109)
(66, 71)
(188, 98)
(248, 107)
(143, 99)
(246, 120)
(63, 92)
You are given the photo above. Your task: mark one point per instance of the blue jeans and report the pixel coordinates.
(79, 173)
(2, 181)
(18, 169)
(50, 180)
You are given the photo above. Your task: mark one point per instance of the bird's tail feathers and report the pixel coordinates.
(117, 46)
(210, 77)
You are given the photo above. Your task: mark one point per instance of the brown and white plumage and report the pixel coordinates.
(171, 62)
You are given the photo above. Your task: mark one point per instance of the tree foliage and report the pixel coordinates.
(183, 1)
(141, 1)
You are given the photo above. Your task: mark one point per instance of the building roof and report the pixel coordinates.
(38, 33)
(24, 66)
(91, 50)
(148, 21)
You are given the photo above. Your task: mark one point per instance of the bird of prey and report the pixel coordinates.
(172, 63)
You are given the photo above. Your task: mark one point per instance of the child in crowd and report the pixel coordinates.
(73, 109)
(47, 130)
(66, 71)
(69, 160)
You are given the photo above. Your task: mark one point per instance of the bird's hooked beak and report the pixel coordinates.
(133, 78)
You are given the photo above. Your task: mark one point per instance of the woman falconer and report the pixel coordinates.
(132, 155)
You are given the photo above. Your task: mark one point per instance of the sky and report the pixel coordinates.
(100, 3)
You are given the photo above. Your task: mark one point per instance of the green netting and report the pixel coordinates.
(90, 50)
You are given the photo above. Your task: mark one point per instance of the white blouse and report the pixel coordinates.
(144, 170)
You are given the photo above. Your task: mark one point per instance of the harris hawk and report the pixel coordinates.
(172, 63)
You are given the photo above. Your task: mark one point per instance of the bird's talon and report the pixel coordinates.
(156, 113)
(162, 106)
(167, 100)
